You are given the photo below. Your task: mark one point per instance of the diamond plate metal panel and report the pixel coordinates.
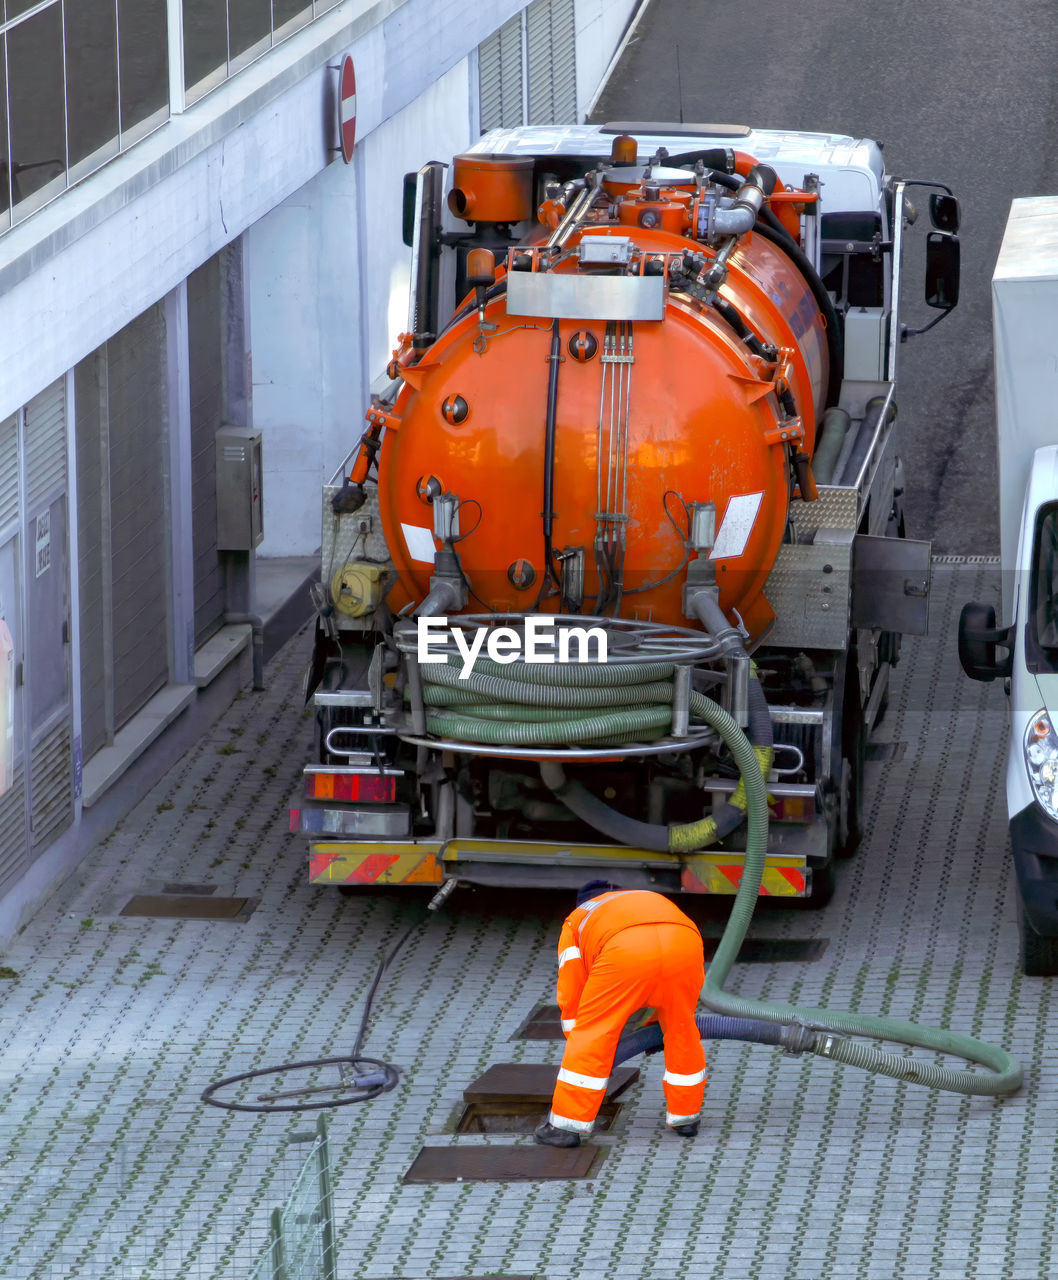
(837, 507)
(809, 588)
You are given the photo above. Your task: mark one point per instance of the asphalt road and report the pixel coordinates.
(962, 91)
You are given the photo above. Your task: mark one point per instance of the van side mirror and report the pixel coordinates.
(944, 212)
(942, 270)
(978, 638)
(408, 209)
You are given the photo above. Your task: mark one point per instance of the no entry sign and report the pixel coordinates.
(347, 108)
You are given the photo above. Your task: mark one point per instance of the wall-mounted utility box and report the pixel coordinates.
(240, 520)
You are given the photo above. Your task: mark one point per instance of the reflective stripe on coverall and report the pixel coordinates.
(617, 953)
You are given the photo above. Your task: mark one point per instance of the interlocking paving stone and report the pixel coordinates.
(113, 1170)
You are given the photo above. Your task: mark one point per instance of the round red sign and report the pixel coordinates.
(347, 108)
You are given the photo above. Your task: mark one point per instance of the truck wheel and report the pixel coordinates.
(850, 763)
(821, 892)
(1038, 953)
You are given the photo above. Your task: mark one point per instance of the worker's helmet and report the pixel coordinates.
(593, 889)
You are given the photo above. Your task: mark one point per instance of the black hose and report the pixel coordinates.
(549, 452)
(650, 835)
(370, 1076)
(769, 226)
(835, 347)
(649, 1039)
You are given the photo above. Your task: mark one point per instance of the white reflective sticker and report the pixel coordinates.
(670, 1077)
(570, 953)
(564, 1122)
(568, 1024)
(420, 543)
(582, 1082)
(736, 526)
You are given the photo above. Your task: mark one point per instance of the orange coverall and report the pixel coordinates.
(617, 953)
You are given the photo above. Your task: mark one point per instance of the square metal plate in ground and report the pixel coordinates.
(526, 1163)
(534, 1081)
(544, 1023)
(514, 1097)
(179, 906)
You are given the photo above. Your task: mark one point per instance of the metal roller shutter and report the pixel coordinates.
(13, 846)
(47, 598)
(551, 57)
(136, 382)
(8, 471)
(205, 318)
(13, 852)
(500, 77)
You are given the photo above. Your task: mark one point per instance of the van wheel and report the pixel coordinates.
(1038, 953)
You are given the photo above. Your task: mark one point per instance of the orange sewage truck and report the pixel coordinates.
(635, 471)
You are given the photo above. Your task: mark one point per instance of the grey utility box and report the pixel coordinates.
(240, 525)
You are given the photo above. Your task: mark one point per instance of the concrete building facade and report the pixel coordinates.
(183, 253)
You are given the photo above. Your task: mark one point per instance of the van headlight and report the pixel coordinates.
(1041, 756)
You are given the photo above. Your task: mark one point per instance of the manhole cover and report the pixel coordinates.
(527, 1163)
(181, 906)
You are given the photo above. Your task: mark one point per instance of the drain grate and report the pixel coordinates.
(189, 907)
(528, 1163)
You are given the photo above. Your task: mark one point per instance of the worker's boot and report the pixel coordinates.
(550, 1136)
(688, 1130)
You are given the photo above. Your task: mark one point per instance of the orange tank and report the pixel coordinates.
(651, 416)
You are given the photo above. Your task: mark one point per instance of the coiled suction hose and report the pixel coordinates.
(536, 705)
(820, 1031)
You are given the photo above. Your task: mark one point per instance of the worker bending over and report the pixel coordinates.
(619, 951)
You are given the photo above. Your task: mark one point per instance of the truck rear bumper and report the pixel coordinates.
(1034, 839)
(523, 865)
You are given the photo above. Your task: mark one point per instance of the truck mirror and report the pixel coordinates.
(944, 212)
(978, 638)
(408, 209)
(942, 270)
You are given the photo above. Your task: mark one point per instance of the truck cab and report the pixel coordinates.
(1021, 648)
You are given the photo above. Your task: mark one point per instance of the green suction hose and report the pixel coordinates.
(1008, 1074)
(598, 703)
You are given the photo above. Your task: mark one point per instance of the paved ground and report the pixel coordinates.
(112, 1025)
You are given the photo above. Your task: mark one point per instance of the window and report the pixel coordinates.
(78, 81)
(81, 80)
(223, 36)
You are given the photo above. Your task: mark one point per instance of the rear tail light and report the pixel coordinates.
(792, 808)
(373, 787)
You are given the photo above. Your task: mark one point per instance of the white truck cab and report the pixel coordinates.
(1024, 650)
